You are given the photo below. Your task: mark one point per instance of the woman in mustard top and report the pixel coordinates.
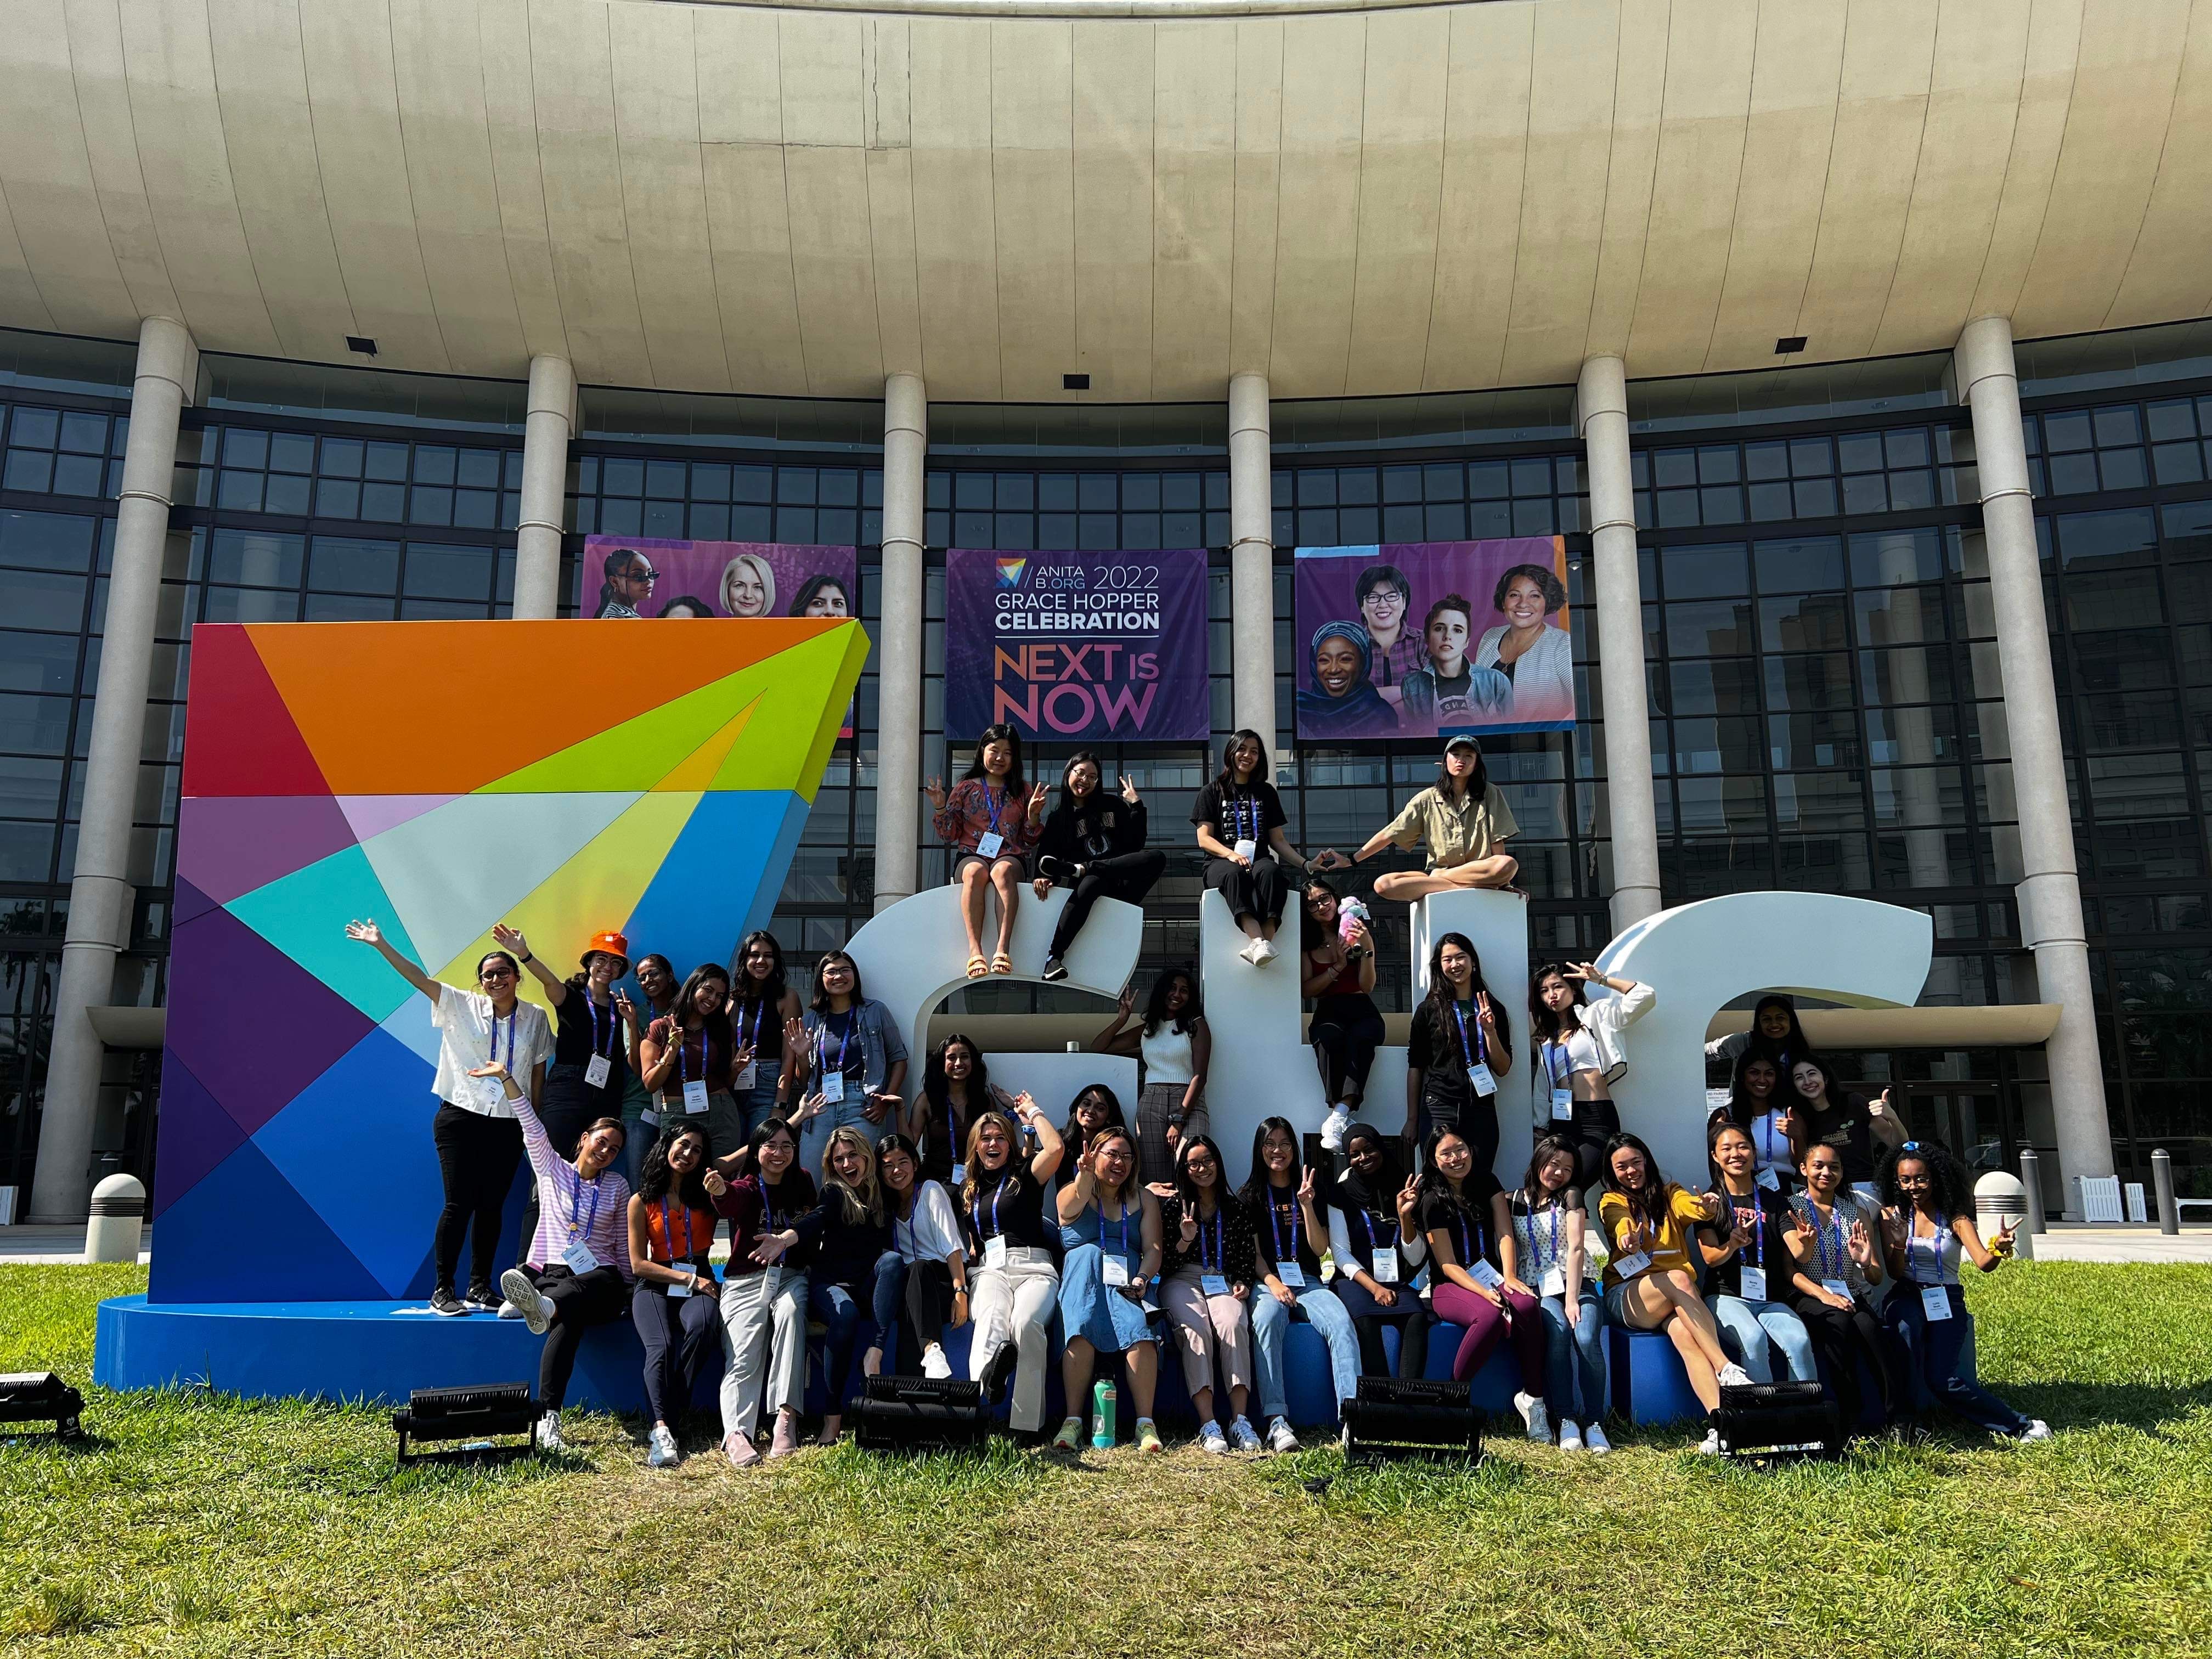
(1649, 1285)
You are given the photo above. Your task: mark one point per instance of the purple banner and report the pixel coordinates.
(1412, 640)
(1069, 646)
(645, 576)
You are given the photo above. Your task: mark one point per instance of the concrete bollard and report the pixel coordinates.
(2161, 1177)
(2031, 1179)
(118, 1219)
(2000, 1202)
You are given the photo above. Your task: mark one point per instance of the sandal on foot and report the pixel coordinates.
(977, 968)
(1002, 963)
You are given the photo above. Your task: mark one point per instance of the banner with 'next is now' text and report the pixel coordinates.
(1076, 646)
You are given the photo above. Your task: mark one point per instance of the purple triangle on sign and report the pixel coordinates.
(372, 815)
(228, 845)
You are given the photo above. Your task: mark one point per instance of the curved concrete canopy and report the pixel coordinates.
(798, 200)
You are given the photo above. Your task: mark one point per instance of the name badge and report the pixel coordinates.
(597, 1073)
(1935, 1301)
(1479, 1079)
(491, 1093)
(677, 1293)
(994, 1251)
(1769, 1180)
(989, 843)
(1291, 1274)
(650, 1118)
(1555, 1282)
(1837, 1287)
(1246, 848)
(1385, 1266)
(1636, 1261)
(959, 1173)
(745, 1075)
(833, 1086)
(1214, 1284)
(1754, 1284)
(1114, 1270)
(1485, 1275)
(1563, 1105)
(695, 1096)
(579, 1257)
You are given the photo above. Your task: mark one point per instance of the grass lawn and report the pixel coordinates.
(200, 1524)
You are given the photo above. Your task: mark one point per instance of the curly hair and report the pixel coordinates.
(1954, 1194)
(1547, 583)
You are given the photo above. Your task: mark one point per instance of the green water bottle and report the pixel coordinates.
(1101, 1416)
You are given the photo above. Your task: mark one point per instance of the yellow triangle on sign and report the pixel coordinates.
(697, 770)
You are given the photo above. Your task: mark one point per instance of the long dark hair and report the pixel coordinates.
(898, 1141)
(1227, 776)
(821, 999)
(1547, 1148)
(1155, 1005)
(1002, 732)
(715, 1026)
(774, 990)
(1254, 1191)
(1187, 1189)
(1743, 1108)
(814, 586)
(1654, 1189)
(1954, 1196)
(1071, 1137)
(1831, 1090)
(656, 1178)
(1313, 934)
(1067, 802)
(1544, 1025)
(1440, 991)
(1477, 781)
(1434, 1183)
(936, 1087)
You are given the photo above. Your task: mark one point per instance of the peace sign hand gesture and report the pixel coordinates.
(1037, 799)
(625, 1008)
(1187, 1228)
(935, 790)
(1409, 1198)
(1129, 790)
(1584, 971)
(1306, 1185)
(1126, 1004)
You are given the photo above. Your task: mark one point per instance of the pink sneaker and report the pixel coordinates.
(785, 1441)
(739, 1449)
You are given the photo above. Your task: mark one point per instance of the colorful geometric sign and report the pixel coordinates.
(438, 778)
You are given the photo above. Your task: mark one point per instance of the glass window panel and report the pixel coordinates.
(1316, 486)
(1448, 522)
(251, 605)
(1859, 451)
(2070, 431)
(456, 573)
(2118, 424)
(46, 541)
(1816, 498)
(1098, 492)
(1534, 476)
(245, 446)
(346, 607)
(43, 663)
(1800, 565)
(30, 470)
(1819, 801)
(386, 503)
(1808, 682)
(2135, 720)
(386, 462)
(42, 598)
(1899, 616)
(1708, 628)
(2072, 475)
(1722, 686)
(478, 469)
(2179, 463)
(291, 451)
(342, 457)
(259, 558)
(2176, 418)
(2112, 598)
(1815, 622)
(1444, 480)
(39, 725)
(430, 505)
(345, 564)
(1908, 447)
(2122, 469)
(1829, 738)
(336, 499)
(1697, 573)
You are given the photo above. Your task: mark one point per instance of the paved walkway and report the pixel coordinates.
(44, 1244)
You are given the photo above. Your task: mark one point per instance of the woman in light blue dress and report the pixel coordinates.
(1109, 1228)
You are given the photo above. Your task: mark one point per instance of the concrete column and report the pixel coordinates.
(101, 895)
(544, 487)
(1602, 402)
(2050, 894)
(898, 640)
(1252, 561)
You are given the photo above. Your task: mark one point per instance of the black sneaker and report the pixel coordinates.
(483, 1295)
(443, 1301)
(1054, 968)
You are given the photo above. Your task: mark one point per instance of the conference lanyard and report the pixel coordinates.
(1477, 1053)
(844, 1042)
(1125, 1228)
(1758, 1225)
(668, 1231)
(1553, 1212)
(1245, 807)
(760, 1018)
(1935, 1253)
(684, 1055)
(1220, 1262)
(994, 803)
(575, 1198)
(976, 1208)
(1468, 1254)
(1553, 1076)
(1275, 1223)
(592, 1008)
(1821, 1237)
(768, 1205)
(514, 1016)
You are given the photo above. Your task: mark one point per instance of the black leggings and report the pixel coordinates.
(1259, 892)
(1839, 1337)
(1596, 1122)
(477, 1160)
(579, 1303)
(1344, 1031)
(678, 1332)
(1125, 876)
(1477, 1125)
(928, 1305)
(1413, 1341)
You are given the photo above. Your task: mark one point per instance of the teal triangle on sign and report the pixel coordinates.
(304, 915)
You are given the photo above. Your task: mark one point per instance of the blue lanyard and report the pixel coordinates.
(1935, 1255)
(1275, 1224)
(1468, 1253)
(1820, 1236)
(684, 1055)
(1758, 1223)
(1125, 1227)
(1245, 808)
(575, 1197)
(668, 1230)
(590, 1007)
(767, 1203)
(514, 1016)
(1219, 1264)
(844, 1040)
(976, 1208)
(760, 1018)
(994, 803)
(1477, 1053)
(952, 1129)
(1553, 1260)
(1551, 1072)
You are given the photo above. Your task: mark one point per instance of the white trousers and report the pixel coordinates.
(1014, 1303)
(765, 1328)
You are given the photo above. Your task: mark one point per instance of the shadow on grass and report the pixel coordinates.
(2147, 1406)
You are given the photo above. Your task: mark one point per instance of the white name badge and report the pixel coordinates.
(994, 1251)
(578, 1254)
(1385, 1266)
(1485, 1275)
(1635, 1262)
(1291, 1274)
(597, 1073)
(1555, 1282)
(959, 1173)
(677, 1293)
(695, 1096)
(1214, 1284)
(1479, 1079)
(1753, 1285)
(1837, 1287)
(1563, 1105)
(1114, 1270)
(1935, 1301)
(1247, 848)
(745, 1075)
(989, 843)
(833, 1087)
(1769, 1180)
(491, 1093)
(650, 1118)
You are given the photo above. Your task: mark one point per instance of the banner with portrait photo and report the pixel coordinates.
(1418, 639)
(1072, 646)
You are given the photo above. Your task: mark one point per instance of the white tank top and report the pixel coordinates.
(1167, 1055)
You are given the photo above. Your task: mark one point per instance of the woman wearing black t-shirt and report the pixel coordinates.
(1458, 1049)
(1205, 1284)
(1239, 822)
(1094, 844)
(1827, 1116)
(1014, 1281)
(955, 1091)
(855, 1269)
(1375, 1240)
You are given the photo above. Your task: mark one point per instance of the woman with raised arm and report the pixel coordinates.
(1580, 1050)
(1338, 960)
(687, 1058)
(676, 1299)
(1205, 1284)
(761, 1008)
(1774, 1033)
(1457, 1049)
(956, 1090)
(1240, 820)
(1747, 1266)
(988, 821)
(1109, 1235)
(641, 1107)
(1835, 1239)
(478, 1143)
(1467, 1285)
(925, 1231)
(1828, 1115)
(576, 1274)
(1174, 1049)
(1930, 1236)
(1543, 1241)
(849, 1050)
(1094, 844)
(1095, 1107)
(854, 1266)
(1290, 1232)
(1463, 821)
(1375, 1238)
(1014, 1281)
(1649, 1282)
(763, 1296)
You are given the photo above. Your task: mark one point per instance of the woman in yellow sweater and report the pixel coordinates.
(1649, 1284)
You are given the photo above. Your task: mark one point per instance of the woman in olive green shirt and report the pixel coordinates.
(1464, 823)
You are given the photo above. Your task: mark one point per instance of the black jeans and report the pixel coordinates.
(1259, 892)
(1594, 1123)
(477, 1160)
(1839, 1337)
(1476, 1123)
(579, 1302)
(678, 1332)
(928, 1305)
(1344, 1031)
(1125, 876)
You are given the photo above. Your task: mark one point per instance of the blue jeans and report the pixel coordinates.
(1574, 1364)
(814, 1141)
(1271, 1326)
(1935, 1348)
(1747, 1325)
(757, 1103)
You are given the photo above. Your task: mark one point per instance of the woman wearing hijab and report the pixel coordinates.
(1342, 702)
(1375, 1238)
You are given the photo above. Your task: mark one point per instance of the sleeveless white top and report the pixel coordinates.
(1167, 1055)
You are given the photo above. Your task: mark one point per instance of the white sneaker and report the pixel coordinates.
(1251, 953)
(1534, 1417)
(515, 1285)
(661, 1452)
(1711, 1445)
(1279, 1437)
(1734, 1376)
(549, 1433)
(1246, 1437)
(1570, 1435)
(933, 1362)
(1211, 1439)
(1332, 1128)
(508, 1311)
(1264, 952)
(1595, 1441)
(2038, 1429)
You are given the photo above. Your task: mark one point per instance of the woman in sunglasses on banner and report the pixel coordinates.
(1463, 821)
(475, 1133)
(688, 1057)
(763, 1007)
(1239, 822)
(988, 821)
(676, 1304)
(1094, 844)
(847, 1050)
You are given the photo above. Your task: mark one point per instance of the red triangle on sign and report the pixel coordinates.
(240, 739)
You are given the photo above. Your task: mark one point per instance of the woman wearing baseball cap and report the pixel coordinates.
(1464, 823)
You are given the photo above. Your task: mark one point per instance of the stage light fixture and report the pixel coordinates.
(1774, 1422)
(921, 1413)
(1392, 1417)
(42, 1397)
(473, 1413)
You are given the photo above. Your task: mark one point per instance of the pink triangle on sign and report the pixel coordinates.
(372, 815)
